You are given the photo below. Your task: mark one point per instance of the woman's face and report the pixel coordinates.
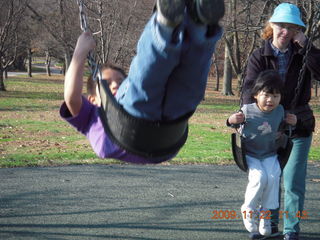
(283, 34)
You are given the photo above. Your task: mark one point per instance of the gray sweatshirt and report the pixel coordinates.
(260, 130)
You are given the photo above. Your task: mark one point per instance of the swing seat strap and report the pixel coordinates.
(146, 138)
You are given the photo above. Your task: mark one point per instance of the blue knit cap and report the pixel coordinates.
(287, 13)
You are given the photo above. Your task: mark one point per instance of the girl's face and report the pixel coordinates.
(283, 34)
(114, 79)
(267, 101)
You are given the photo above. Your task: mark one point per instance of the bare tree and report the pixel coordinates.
(246, 20)
(118, 25)
(10, 21)
(59, 18)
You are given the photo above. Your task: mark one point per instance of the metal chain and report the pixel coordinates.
(94, 67)
(248, 22)
(304, 60)
(244, 67)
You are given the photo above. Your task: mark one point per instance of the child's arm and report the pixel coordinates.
(291, 119)
(74, 76)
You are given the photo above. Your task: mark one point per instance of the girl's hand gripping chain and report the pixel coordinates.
(291, 119)
(85, 44)
(236, 118)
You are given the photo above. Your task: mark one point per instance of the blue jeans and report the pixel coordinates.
(294, 180)
(167, 79)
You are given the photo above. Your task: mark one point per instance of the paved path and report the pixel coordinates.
(131, 202)
(54, 71)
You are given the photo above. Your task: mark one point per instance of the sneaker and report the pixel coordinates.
(265, 227)
(170, 12)
(274, 233)
(207, 12)
(291, 236)
(265, 224)
(250, 219)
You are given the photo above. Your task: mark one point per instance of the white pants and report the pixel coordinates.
(263, 185)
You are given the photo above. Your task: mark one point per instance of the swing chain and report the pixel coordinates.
(94, 67)
(83, 18)
(304, 60)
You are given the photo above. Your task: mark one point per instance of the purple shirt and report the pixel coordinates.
(89, 124)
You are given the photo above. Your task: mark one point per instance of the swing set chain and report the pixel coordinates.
(242, 76)
(94, 67)
(304, 60)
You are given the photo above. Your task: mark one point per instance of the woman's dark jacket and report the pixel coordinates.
(263, 59)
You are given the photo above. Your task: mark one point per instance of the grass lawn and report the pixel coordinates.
(33, 134)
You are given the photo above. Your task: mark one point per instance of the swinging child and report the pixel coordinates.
(166, 80)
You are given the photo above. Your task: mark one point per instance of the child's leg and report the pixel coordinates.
(141, 94)
(257, 182)
(186, 85)
(270, 197)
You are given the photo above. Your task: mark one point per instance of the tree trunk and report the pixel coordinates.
(19, 63)
(2, 87)
(67, 60)
(217, 73)
(29, 62)
(64, 69)
(5, 74)
(227, 75)
(48, 62)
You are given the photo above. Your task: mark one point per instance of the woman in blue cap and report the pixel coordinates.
(283, 50)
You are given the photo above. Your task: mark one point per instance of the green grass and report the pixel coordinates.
(33, 134)
(205, 145)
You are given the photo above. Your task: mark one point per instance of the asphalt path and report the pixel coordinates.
(133, 202)
(54, 71)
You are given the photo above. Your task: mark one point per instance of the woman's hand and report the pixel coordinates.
(300, 39)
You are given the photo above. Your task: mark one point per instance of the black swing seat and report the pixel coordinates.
(149, 139)
(284, 146)
(238, 151)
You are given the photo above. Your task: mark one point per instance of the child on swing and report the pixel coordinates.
(167, 77)
(261, 121)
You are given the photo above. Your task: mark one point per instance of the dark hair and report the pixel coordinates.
(91, 85)
(268, 81)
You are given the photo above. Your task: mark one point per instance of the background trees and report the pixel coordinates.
(51, 27)
(11, 39)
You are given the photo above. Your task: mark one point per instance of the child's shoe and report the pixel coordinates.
(170, 12)
(265, 227)
(274, 233)
(207, 12)
(250, 219)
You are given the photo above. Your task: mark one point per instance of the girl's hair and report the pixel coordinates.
(268, 81)
(267, 32)
(91, 85)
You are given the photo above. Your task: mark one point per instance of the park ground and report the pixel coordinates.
(33, 134)
(54, 187)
